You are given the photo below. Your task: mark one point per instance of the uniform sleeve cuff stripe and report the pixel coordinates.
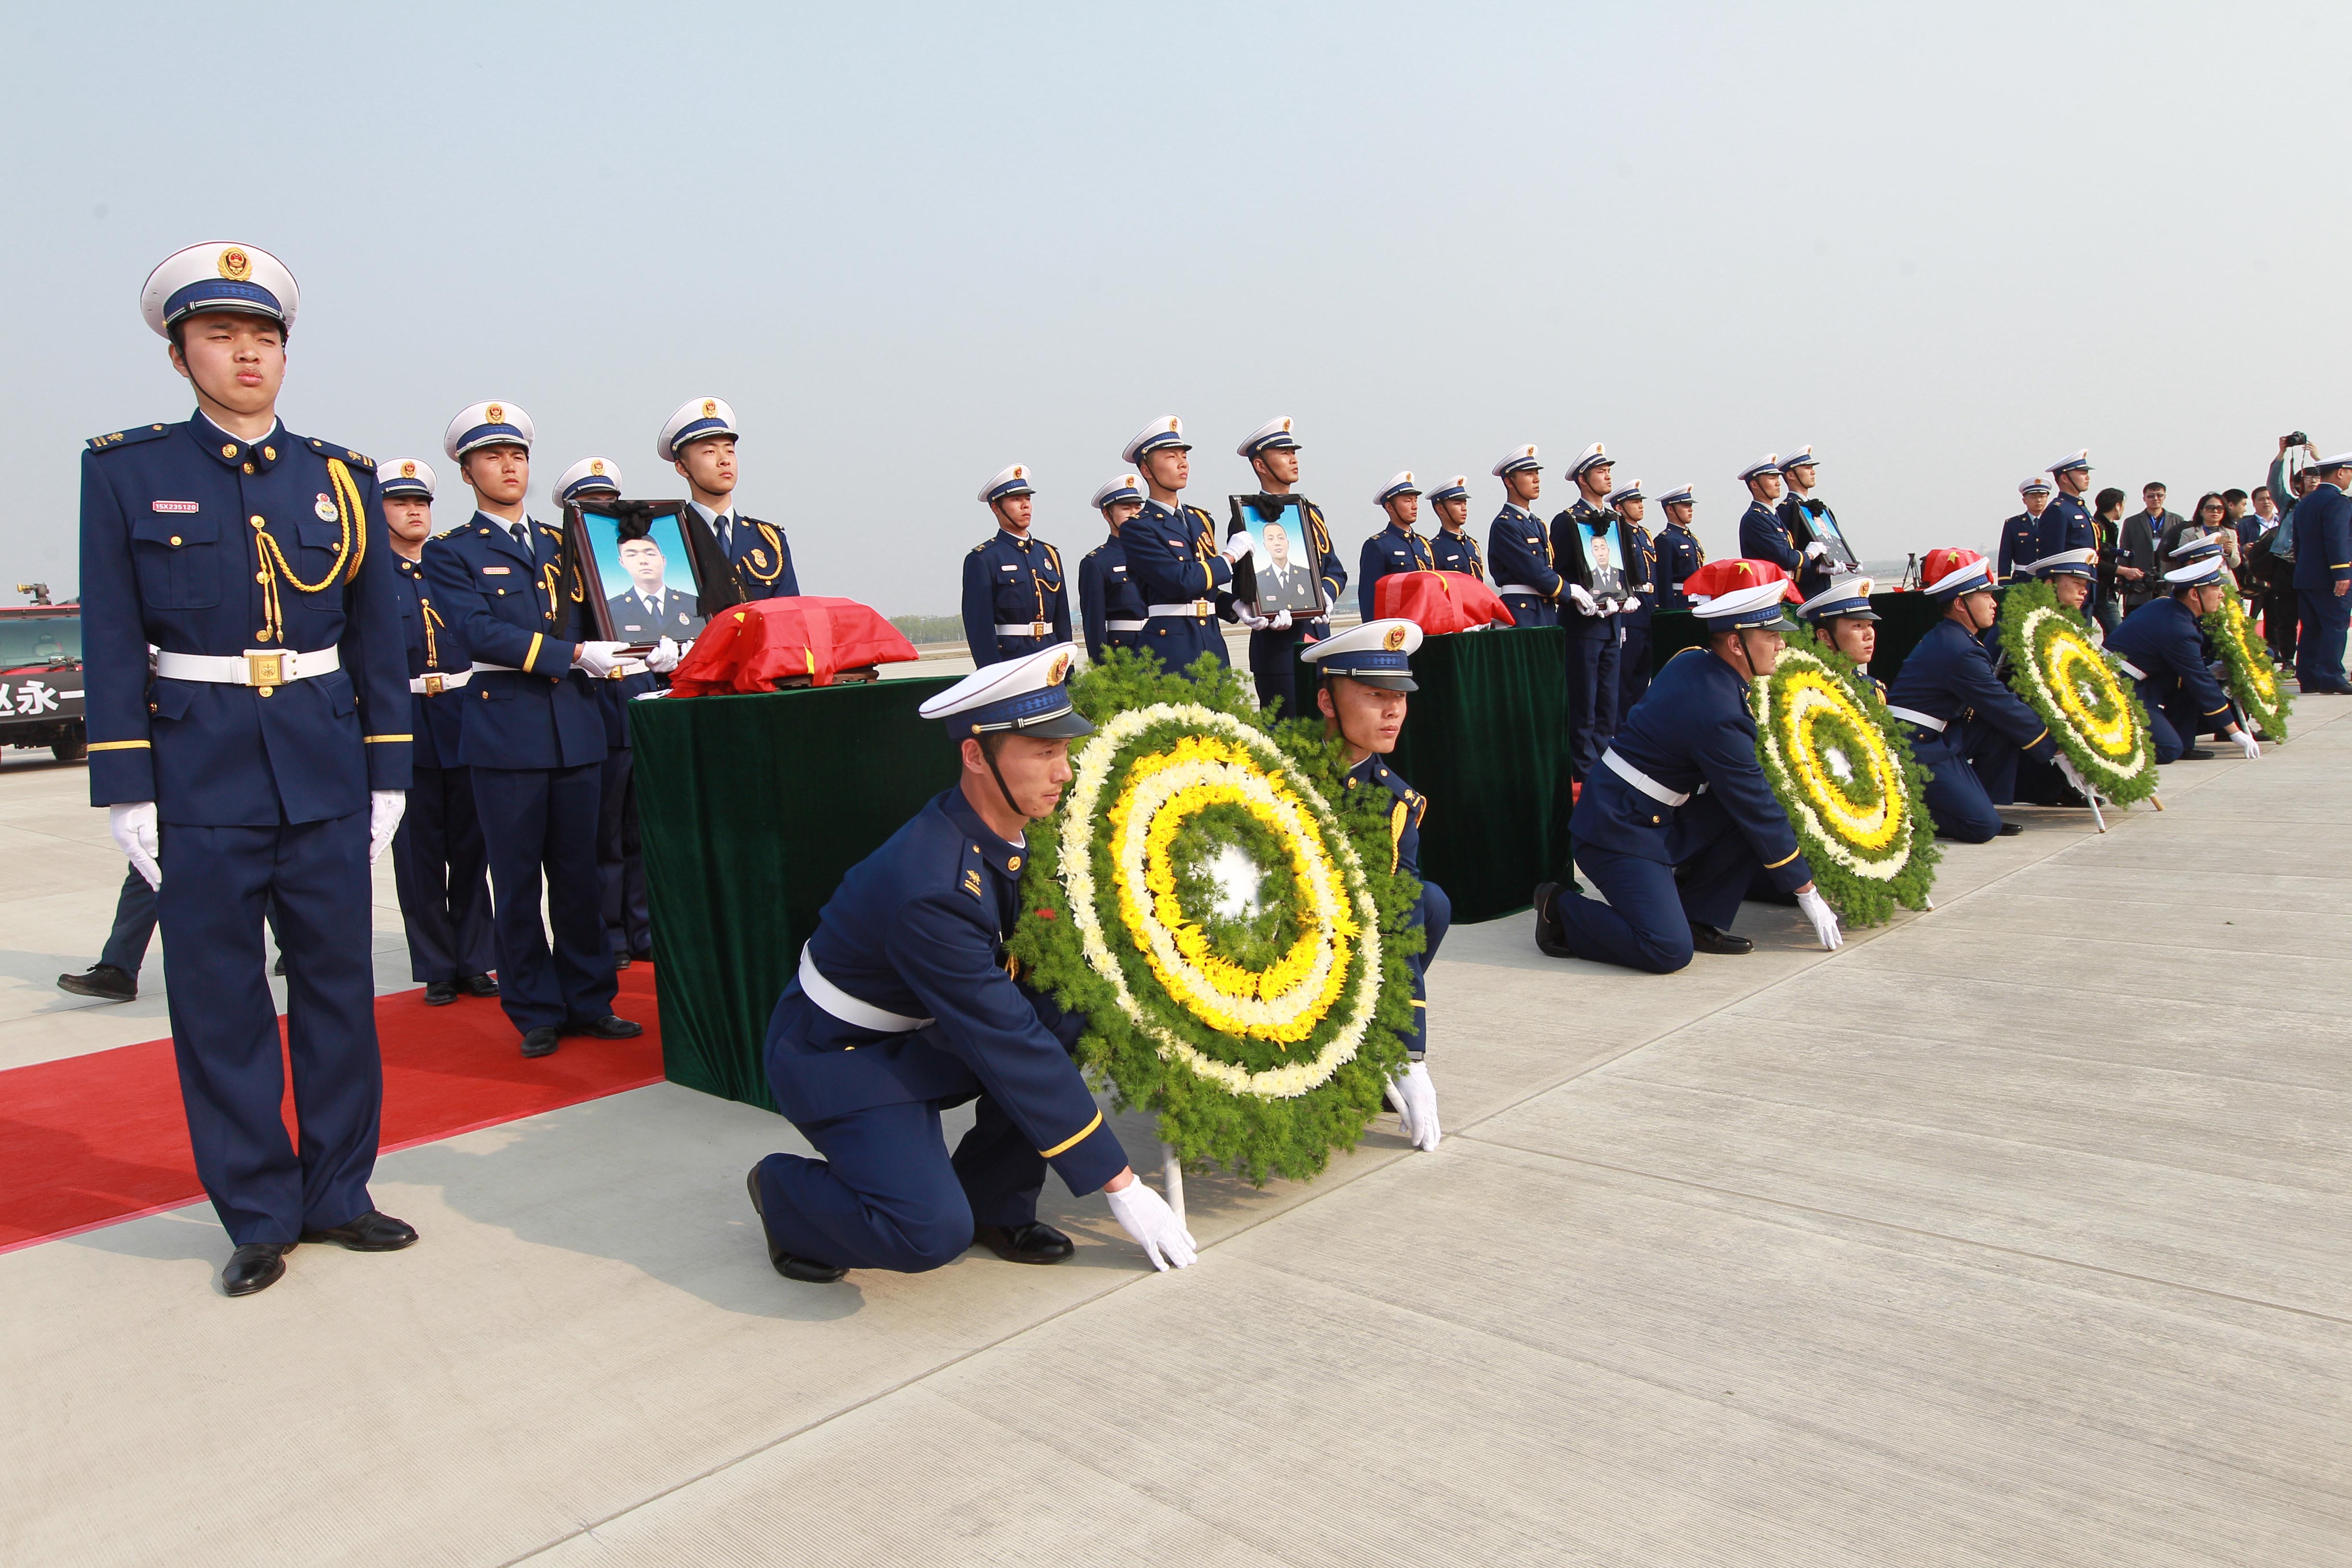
(536, 638)
(1071, 1141)
(119, 745)
(1784, 860)
(371, 740)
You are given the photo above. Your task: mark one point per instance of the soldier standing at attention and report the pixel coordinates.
(1015, 599)
(2322, 522)
(1454, 549)
(2020, 536)
(1584, 546)
(1762, 535)
(1800, 512)
(1396, 548)
(438, 863)
(534, 734)
(1110, 607)
(2066, 525)
(1273, 452)
(1172, 554)
(904, 1005)
(1519, 549)
(1641, 596)
(700, 443)
(1679, 553)
(266, 762)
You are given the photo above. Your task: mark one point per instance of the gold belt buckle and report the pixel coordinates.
(432, 686)
(1037, 628)
(1203, 607)
(264, 669)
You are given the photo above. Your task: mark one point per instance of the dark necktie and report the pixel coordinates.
(521, 534)
(727, 533)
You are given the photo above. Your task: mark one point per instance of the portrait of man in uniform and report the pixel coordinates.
(1283, 574)
(647, 562)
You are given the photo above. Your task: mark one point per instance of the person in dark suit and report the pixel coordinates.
(2107, 545)
(2323, 572)
(2139, 570)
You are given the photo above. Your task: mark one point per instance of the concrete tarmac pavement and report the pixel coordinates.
(2012, 1233)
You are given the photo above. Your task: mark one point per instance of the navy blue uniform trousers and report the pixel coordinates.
(218, 883)
(1961, 788)
(2319, 647)
(1435, 915)
(1592, 690)
(1632, 668)
(620, 859)
(540, 821)
(1273, 664)
(439, 865)
(1651, 906)
(134, 924)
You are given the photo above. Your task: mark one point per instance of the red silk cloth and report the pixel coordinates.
(1439, 602)
(751, 646)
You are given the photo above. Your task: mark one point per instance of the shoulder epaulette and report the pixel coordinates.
(446, 532)
(980, 546)
(329, 450)
(108, 442)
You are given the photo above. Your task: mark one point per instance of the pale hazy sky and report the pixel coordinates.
(912, 243)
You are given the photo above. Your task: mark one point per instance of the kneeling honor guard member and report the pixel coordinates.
(1016, 599)
(2163, 650)
(1365, 673)
(266, 762)
(700, 443)
(1172, 553)
(438, 863)
(534, 734)
(1679, 820)
(904, 1005)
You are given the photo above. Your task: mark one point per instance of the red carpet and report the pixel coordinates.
(92, 1140)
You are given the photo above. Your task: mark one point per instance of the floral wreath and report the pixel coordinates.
(2077, 688)
(1223, 909)
(1843, 772)
(2247, 667)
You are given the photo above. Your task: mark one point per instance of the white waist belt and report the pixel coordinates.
(1517, 588)
(2132, 669)
(254, 667)
(1641, 780)
(848, 1009)
(1913, 716)
(1192, 608)
(432, 683)
(1026, 629)
(1123, 626)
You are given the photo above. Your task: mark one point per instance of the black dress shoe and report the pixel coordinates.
(1033, 1243)
(2197, 754)
(1551, 941)
(611, 1026)
(373, 1231)
(2009, 829)
(477, 986)
(278, 968)
(642, 954)
(540, 1042)
(1715, 939)
(619, 961)
(103, 980)
(255, 1265)
(791, 1265)
(440, 993)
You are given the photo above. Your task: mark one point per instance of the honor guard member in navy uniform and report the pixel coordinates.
(2163, 650)
(1678, 554)
(2069, 574)
(1801, 512)
(647, 610)
(1110, 607)
(700, 443)
(1172, 554)
(2066, 523)
(1396, 548)
(1841, 616)
(1967, 729)
(534, 733)
(906, 1004)
(1518, 546)
(439, 865)
(1273, 452)
(2020, 536)
(1015, 597)
(1584, 547)
(264, 763)
(1678, 820)
(2322, 522)
(1364, 673)
(1453, 547)
(1641, 556)
(1762, 535)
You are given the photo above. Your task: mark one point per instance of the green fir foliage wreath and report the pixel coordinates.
(2247, 667)
(2080, 691)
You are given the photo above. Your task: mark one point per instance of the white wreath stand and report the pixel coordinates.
(1172, 1179)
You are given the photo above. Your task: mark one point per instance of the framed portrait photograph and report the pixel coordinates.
(1282, 574)
(641, 569)
(1825, 530)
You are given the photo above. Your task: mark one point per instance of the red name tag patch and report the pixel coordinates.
(496, 571)
(172, 505)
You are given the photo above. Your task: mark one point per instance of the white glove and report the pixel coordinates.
(1816, 549)
(1415, 1098)
(1237, 544)
(2247, 743)
(386, 808)
(1144, 1214)
(2073, 775)
(133, 827)
(1826, 925)
(664, 656)
(1281, 621)
(1251, 619)
(1630, 602)
(600, 658)
(1582, 600)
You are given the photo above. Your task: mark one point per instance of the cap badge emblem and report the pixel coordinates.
(1019, 472)
(234, 265)
(597, 467)
(709, 408)
(1172, 424)
(408, 471)
(1286, 425)
(325, 508)
(1058, 669)
(494, 415)
(1395, 639)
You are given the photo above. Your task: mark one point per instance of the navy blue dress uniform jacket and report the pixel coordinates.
(1172, 558)
(1432, 911)
(1107, 592)
(1797, 515)
(1693, 729)
(2323, 538)
(917, 929)
(1457, 552)
(437, 720)
(1328, 567)
(1641, 555)
(1678, 555)
(173, 520)
(504, 599)
(1518, 552)
(1764, 537)
(2163, 642)
(1949, 676)
(2021, 544)
(1389, 552)
(761, 557)
(2066, 524)
(1013, 582)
